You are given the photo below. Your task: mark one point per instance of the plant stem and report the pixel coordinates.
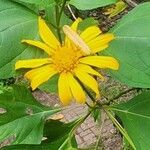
(120, 128)
(79, 122)
(119, 95)
(122, 93)
(88, 105)
(71, 12)
(59, 11)
(58, 24)
(115, 122)
(99, 137)
(87, 92)
(131, 3)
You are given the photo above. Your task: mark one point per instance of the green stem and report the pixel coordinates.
(54, 26)
(120, 128)
(87, 92)
(77, 124)
(80, 121)
(88, 105)
(59, 11)
(57, 24)
(100, 131)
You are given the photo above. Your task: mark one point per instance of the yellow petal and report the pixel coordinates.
(90, 33)
(46, 34)
(74, 27)
(100, 42)
(76, 89)
(90, 70)
(101, 62)
(103, 39)
(32, 63)
(97, 47)
(40, 45)
(40, 75)
(64, 89)
(88, 81)
(76, 39)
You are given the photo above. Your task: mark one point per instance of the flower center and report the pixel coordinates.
(65, 59)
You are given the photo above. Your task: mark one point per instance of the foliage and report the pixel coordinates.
(88, 4)
(57, 136)
(12, 24)
(29, 122)
(131, 47)
(135, 116)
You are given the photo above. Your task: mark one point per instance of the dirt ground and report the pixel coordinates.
(89, 132)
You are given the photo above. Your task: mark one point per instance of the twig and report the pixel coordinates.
(70, 10)
(122, 93)
(131, 3)
(88, 105)
(119, 95)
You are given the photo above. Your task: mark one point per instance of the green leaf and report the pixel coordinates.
(58, 138)
(96, 114)
(35, 5)
(50, 86)
(87, 23)
(131, 47)
(91, 4)
(29, 1)
(135, 116)
(60, 133)
(51, 16)
(16, 23)
(24, 117)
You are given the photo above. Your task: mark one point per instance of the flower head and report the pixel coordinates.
(73, 59)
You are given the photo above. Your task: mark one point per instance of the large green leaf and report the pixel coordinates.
(29, 1)
(135, 116)
(16, 23)
(90, 4)
(35, 5)
(24, 117)
(60, 135)
(57, 134)
(132, 47)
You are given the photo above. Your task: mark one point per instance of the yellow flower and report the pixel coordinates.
(71, 60)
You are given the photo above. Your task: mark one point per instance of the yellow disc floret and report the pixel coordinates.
(66, 59)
